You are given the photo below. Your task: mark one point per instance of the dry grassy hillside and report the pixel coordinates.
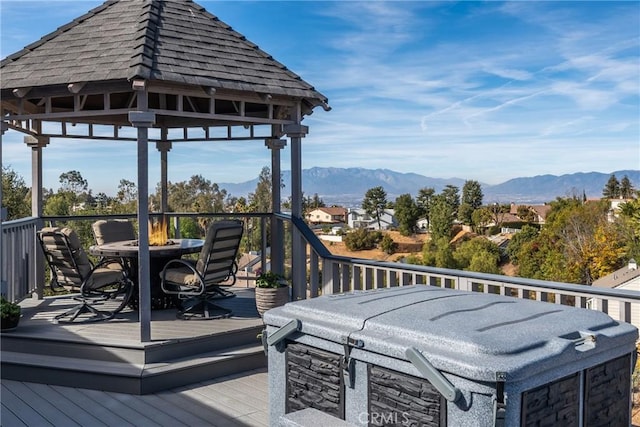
(406, 246)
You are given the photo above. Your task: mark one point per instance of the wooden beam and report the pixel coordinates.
(192, 105)
(75, 87)
(21, 92)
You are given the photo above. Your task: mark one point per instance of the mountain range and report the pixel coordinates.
(347, 186)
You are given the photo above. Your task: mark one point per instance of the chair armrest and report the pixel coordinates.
(185, 263)
(106, 261)
(123, 271)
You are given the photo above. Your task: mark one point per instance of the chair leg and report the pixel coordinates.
(117, 299)
(82, 308)
(202, 309)
(219, 292)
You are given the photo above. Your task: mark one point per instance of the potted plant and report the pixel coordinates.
(272, 290)
(10, 314)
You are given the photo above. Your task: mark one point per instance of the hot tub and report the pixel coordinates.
(423, 355)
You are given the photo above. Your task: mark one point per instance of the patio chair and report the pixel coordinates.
(198, 284)
(72, 271)
(114, 230)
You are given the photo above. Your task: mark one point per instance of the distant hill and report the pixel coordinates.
(545, 188)
(346, 186)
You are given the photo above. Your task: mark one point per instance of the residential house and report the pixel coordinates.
(502, 241)
(614, 208)
(627, 278)
(540, 212)
(332, 215)
(359, 218)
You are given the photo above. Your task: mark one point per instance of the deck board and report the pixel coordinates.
(224, 402)
(238, 400)
(37, 319)
(63, 404)
(98, 410)
(46, 408)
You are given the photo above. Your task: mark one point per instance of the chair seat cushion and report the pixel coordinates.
(104, 276)
(183, 276)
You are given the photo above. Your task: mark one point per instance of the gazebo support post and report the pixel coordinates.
(298, 248)
(37, 144)
(4, 127)
(143, 120)
(277, 229)
(164, 147)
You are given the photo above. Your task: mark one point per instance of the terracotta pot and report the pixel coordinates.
(268, 298)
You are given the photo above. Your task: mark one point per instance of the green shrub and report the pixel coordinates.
(362, 239)
(8, 308)
(388, 245)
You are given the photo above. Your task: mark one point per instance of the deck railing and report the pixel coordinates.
(330, 274)
(325, 273)
(18, 258)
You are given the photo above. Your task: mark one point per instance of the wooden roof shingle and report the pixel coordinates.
(173, 41)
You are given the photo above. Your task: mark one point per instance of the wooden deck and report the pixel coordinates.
(237, 400)
(37, 320)
(109, 356)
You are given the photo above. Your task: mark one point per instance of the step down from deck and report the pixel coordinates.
(133, 369)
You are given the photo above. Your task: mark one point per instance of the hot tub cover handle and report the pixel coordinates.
(281, 334)
(435, 377)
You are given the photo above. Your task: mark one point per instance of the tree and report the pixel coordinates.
(481, 218)
(424, 199)
(465, 213)
(452, 197)
(260, 200)
(196, 195)
(73, 189)
(127, 191)
(528, 233)
(237, 204)
(59, 204)
(576, 245)
(628, 225)
(312, 203)
(441, 218)
(407, 214)
(478, 254)
(362, 239)
(388, 245)
(498, 213)
(626, 188)
(15, 195)
(73, 182)
(438, 253)
(374, 203)
(526, 214)
(606, 252)
(102, 200)
(470, 201)
(612, 188)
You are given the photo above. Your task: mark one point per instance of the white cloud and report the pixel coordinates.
(479, 90)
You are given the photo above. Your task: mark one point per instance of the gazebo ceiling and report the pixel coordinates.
(196, 70)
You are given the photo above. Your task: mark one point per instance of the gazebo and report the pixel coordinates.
(165, 66)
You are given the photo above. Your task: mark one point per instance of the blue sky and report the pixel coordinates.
(475, 90)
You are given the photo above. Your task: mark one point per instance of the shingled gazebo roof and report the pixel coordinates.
(186, 56)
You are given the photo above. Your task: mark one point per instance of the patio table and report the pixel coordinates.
(159, 256)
